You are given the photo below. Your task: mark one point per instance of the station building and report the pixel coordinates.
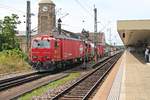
(47, 25)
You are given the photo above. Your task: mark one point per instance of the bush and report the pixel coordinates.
(16, 53)
(13, 60)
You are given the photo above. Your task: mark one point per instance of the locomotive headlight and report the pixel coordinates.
(34, 57)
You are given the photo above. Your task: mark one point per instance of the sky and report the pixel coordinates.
(109, 11)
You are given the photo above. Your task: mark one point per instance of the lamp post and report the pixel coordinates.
(59, 26)
(60, 21)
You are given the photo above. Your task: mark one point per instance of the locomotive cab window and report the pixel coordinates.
(41, 44)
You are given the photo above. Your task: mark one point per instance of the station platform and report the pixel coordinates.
(128, 80)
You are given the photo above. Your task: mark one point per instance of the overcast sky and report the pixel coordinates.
(109, 11)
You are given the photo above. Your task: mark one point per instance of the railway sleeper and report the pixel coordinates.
(78, 93)
(81, 88)
(72, 96)
(69, 98)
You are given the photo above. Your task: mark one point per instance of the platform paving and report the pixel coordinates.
(136, 78)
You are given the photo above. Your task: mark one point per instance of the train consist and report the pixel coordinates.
(52, 53)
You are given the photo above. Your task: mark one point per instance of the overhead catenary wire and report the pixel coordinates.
(15, 10)
(87, 11)
(84, 8)
(11, 8)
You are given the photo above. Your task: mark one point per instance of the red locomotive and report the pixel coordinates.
(52, 53)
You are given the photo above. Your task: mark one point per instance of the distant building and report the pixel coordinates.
(46, 17)
(46, 22)
(22, 39)
(100, 38)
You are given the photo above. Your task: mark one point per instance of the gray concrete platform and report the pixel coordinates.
(136, 78)
(131, 82)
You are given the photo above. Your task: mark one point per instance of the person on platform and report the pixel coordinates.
(147, 54)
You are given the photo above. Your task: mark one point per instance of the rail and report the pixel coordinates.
(19, 80)
(83, 88)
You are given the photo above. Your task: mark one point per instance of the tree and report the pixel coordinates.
(8, 27)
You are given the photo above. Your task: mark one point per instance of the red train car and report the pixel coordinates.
(50, 51)
(100, 50)
(89, 50)
(72, 49)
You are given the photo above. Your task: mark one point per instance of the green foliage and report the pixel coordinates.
(11, 57)
(51, 85)
(12, 61)
(8, 27)
(14, 52)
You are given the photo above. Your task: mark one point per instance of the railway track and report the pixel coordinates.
(19, 80)
(83, 88)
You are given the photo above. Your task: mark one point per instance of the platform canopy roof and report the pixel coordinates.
(45, 1)
(134, 31)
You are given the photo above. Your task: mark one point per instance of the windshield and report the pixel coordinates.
(41, 44)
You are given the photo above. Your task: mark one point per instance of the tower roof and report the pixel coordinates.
(45, 1)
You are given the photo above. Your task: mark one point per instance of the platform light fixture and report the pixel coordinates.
(123, 35)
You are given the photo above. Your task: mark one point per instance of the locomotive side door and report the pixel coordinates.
(57, 49)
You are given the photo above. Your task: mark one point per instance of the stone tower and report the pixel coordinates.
(46, 17)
